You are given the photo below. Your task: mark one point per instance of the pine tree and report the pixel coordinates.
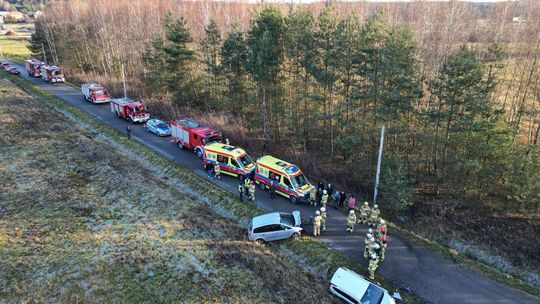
(266, 57)
(210, 51)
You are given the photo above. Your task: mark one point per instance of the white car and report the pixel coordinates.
(275, 226)
(158, 127)
(355, 289)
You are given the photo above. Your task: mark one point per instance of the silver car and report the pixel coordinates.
(275, 226)
(355, 289)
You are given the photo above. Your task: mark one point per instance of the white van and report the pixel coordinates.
(355, 289)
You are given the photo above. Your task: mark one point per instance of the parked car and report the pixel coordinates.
(158, 127)
(355, 289)
(5, 65)
(275, 226)
(13, 70)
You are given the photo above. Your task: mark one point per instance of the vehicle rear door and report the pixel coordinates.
(278, 232)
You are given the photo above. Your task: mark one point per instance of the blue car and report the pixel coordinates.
(158, 127)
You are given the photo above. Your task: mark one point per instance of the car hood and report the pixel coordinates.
(297, 219)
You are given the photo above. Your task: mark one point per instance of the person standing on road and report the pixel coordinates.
(246, 186)
(351, 220)
(320, 188)
(381, 227)
(374, 216)
(367, 241)
(241, 191)
(272, 191)
(324, 198)
(373, 265)
(128, 132)
(383, 242)
(209, 167)
(317, 220)
(352, 202)
(342, 197)
(335, 198)
(313, 196)
(364, 213)
(252, 191)
(323, 217)
(217, 171)
(330, 189)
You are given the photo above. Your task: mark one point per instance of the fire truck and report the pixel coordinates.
(129, 109)
(95, 93)
(33, 67)
(188, 134)
(52, 74)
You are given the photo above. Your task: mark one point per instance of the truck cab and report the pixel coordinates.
(189, 134)
(95, 93)
(52, 74)
(33, 67)
(129, 109)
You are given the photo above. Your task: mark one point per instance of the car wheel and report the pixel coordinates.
(262, 186)
(295, 235)
(260, 241)
(199, 153)
(180, 145)
(293, 199)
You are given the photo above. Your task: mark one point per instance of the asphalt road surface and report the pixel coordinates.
(432, 277)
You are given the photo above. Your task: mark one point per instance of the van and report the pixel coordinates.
(355, 289)
(275, 226)
(232, 160)
(287, 178)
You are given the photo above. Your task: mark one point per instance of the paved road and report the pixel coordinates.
(429, 275)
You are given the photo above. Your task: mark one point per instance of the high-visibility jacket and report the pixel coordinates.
(351, 219)
(317, 220)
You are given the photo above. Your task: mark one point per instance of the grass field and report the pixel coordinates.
(14, 48)
(81, 222)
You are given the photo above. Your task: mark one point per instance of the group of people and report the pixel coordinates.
(247, 188)
(376, 239)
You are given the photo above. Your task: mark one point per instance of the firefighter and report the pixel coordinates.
(364, 213)
(383, 243)
(317, 220)
(227, 142)
(272, 191)
(381, 227)
(374, 216)
(217, 171)
(246, 186)
(241, 191)
(252, 191)
(351, 220)
(128, 132)
(323, 216)
(313, 196)
(373, 265)
(367, 242)
(324, 198)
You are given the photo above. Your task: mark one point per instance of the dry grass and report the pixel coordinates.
(76, 226)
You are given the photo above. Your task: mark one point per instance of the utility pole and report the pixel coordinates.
(124, 81)
(44, 55)
(376, 191)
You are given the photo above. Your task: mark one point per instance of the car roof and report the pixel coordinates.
(266, 219)
(350, 282)
(227, 150)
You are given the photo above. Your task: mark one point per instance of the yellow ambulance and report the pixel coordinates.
(232, 160)
(287, 178)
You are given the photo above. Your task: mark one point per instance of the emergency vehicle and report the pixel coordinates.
(52, 74)
(287, 178)
(129, 109)
(232, 160)
(95, 93)
(188, 134)
(33, 67)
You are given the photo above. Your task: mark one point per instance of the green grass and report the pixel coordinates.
(305, 252)
(14, 48)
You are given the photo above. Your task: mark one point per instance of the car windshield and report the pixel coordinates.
(245, 160)
(101, 92)
(139, 109)
(299, 181)
(287, 219)
(162, 125)
(213, 139)
(57, 72)
(373, 295)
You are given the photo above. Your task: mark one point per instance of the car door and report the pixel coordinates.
(262, 232)
(278, 232)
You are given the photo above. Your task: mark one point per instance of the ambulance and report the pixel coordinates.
(232, 160)
(286, 177)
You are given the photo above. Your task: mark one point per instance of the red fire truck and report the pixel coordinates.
(129, 109)
(33, 67)
(95, 93)
(189, 134)
(52, 74)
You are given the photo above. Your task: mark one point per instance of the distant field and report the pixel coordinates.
(81, 222)
(14, 48)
